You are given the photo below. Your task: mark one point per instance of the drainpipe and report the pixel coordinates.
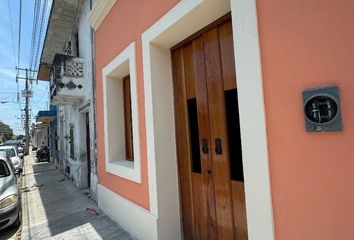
(94, 93)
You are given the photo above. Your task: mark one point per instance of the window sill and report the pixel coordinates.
(125, 169)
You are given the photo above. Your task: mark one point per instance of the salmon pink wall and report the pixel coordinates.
(125, 23)
(304, 44)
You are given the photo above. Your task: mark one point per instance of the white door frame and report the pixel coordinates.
(183, 20)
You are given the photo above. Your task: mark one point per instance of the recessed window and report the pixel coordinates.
(128, 126)
(122, 147)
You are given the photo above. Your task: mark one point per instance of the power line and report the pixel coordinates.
(34, 30)
(12, 32)
(39, 21)
(44, 93)
(8, 92)
(41, 30)
(19, 35)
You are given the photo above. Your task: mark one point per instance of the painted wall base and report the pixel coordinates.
(94, 183)
(134, 219)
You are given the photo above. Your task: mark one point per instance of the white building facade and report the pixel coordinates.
(67, 60)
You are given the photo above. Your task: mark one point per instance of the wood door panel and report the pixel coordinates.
(227, 55)
(212, 205)
(204, 135)
(189, 70)
(239, 204)
(183, 147)
(217, 120)
(202, 102)
(200, 210)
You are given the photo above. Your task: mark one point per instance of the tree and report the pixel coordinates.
(20, 137)
(6, 130)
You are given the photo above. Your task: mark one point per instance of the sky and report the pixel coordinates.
(10, 109)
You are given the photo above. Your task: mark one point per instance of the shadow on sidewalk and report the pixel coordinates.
(66, 210)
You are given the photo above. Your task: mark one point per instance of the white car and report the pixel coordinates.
(12, 154)
(20, 152)
(10, 195)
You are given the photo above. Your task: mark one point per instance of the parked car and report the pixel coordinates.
(16, 143)
(10, 203)
(12, 154)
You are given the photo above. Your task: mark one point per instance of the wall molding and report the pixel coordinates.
(112, 74)
(84, 107)
(131, 217)
(99, 12)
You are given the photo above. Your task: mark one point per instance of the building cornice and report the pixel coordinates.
(99, 12)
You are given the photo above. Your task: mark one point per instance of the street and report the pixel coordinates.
(53, 208)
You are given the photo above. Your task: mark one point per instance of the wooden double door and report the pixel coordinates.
(208, 135)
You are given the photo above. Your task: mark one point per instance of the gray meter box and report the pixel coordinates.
(322, 109)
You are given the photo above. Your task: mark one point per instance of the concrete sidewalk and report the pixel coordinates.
(53, 208)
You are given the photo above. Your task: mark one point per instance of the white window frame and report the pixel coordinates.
(113, 73)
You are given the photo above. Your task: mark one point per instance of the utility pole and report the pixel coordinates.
(27, 94)
(27, 114)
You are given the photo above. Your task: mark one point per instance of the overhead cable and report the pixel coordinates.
(19, 35)
(12, 32)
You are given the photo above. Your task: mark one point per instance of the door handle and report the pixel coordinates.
(205, 148)
(218, 146)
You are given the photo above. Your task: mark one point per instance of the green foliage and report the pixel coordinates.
(8, 133)
(20, 137)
